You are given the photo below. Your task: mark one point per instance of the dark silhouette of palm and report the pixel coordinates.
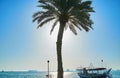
(68, 13)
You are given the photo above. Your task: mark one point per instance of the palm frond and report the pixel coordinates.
(48, 7)
(86, 6)
(84, 26)
(75, 23)
(43, 17)
(35, 18)
(45, 21)
(57, 5)
(72, 28)
(44, 1)
(83, 18)
(37, 13)
(40, 17)
(55, 23)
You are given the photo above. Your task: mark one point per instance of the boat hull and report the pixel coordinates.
(92, 76)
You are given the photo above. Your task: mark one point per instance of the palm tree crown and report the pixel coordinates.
(75, 14)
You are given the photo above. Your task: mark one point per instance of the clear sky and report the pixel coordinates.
(23, 47)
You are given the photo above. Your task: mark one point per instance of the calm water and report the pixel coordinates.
(43, 75)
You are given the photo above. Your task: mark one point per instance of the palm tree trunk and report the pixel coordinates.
(59, 50)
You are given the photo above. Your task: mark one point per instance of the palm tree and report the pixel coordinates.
(68, 13)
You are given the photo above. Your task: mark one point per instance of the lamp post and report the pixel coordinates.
(48, 67)
(102, 62)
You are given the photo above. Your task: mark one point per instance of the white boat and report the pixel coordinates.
(94, 73)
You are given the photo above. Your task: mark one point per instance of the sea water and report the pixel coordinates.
(43, 74)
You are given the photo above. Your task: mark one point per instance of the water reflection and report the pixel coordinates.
(66, 75)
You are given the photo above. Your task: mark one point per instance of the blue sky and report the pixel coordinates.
(23, 47)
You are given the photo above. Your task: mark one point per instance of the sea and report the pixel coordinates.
(28, 74)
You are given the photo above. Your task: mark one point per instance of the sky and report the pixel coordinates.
(24, 47)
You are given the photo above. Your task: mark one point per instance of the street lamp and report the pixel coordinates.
(48, 67)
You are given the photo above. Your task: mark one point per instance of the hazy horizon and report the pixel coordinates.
(24, 47)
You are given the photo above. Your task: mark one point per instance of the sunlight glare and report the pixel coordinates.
(66, 35)
(66, 74)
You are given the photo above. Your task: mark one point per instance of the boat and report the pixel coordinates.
(2, 71)
(94, 73)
